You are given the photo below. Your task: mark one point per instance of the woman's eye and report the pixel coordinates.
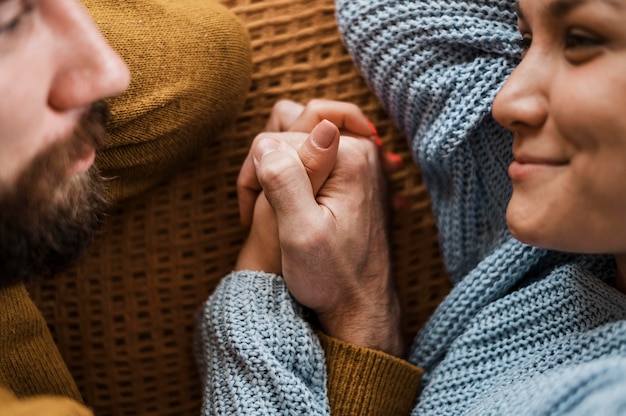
(580, 40)
(581, 47)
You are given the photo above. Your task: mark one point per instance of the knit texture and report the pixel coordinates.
(190, 70)
(258, 354)
(436, 66)
(524, 330)
(367, 382)
(30, 363)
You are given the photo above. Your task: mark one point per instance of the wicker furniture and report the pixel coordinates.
(123, 319)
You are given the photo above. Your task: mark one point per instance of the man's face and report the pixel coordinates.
(54, 65)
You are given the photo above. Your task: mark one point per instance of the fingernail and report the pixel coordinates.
(265, 147)
(395, 158)
(324, 134)
(379, 142)
(372, 127)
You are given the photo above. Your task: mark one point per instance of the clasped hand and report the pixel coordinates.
(314, 198)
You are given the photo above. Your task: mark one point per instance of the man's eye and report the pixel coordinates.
(11, 25)
(14, 23)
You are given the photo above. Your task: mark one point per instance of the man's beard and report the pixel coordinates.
(48, 219)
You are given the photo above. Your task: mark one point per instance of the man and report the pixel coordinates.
(56, 70)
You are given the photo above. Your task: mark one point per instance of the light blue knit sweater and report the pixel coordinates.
(524, 331)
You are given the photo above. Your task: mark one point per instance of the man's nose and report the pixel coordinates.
(89, 70)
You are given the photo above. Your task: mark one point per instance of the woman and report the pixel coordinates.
(530, 326)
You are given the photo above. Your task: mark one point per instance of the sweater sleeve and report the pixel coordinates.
(43, 405)
(436, 67)
(30, 363)
(425, 59)
(256, 353)
(190, 68)
(362, 381)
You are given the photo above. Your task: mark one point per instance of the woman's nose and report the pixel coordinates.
(523, 100)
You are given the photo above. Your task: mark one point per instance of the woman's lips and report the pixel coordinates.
(525, 168)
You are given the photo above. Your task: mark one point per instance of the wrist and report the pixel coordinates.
(375, 326)
(259, 257)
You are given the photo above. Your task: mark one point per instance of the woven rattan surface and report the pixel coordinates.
(123, 319)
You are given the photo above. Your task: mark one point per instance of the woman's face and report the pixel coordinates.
(566, 106)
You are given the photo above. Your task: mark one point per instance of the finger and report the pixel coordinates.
(286, 185)
(248, 188)
(346, 116)
(284, 114)
(318, 153)
(375, 136)
(391, 162)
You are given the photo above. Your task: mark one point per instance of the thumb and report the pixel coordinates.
(318, 153)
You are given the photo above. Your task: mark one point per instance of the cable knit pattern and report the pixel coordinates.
(525, 331)
(258, 355)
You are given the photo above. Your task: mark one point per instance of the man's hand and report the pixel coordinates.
(333, 242)
(317, 153)
(289, 116)
(333, 249)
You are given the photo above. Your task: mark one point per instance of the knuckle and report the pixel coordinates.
(241, 183)
(283, 105)
(320, 108)
(316, 103)
(353, 108)
(259, 137)
(279, 172)
(356, 152)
